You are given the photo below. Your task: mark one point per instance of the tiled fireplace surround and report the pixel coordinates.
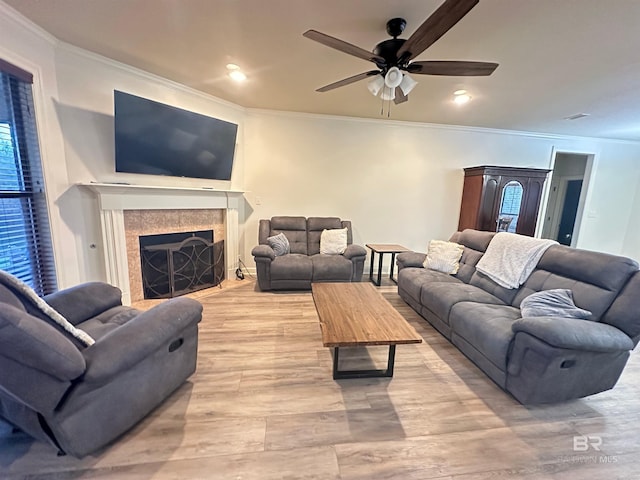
(128, 211)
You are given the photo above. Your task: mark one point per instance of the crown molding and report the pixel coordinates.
(14, 16)
(152, 77)
(440, 126)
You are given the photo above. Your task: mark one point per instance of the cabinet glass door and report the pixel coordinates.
(509, 210)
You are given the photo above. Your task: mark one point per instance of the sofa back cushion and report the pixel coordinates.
(475, 244)
(294, 228)
(37, 362)
(624, 313)
(595, 278)
(8, 297)
(315, 226)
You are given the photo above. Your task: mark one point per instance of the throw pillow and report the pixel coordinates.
(443, 256)
(333, 242)
(279, 243)
(552, 303)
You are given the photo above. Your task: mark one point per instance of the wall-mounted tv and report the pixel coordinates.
(157, 139)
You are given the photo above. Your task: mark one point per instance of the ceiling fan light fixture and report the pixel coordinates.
(407, 84)
(388, 93)
(375, 85)
(393, 78)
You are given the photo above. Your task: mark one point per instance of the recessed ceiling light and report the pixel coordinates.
(237, 75)
(461, 97)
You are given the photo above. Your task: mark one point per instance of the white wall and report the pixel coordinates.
(631, 246)
(398, 182)
(85, 112)
(30, 48)
(402, 182)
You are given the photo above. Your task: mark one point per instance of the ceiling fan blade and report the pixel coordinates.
(457, 68)
(439, 23)
(347, 81)
(343, 46)
(400, 96)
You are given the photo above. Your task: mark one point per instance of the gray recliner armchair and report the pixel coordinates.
(305, 264)
(79, 397)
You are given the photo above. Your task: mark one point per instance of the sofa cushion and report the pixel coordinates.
(468, 261)
(412, 279)
(557, 302)
(43, 310)
(487, 328)
(35, 344)
(479, 279)
(333, 241)
(315, 226)
(441, 297)
(294, 266)
(331, 268)
(475, 243)
(109, 320)
(443, 256)
(474, 239)
(279, 243)
(594, 278)
(294, 228)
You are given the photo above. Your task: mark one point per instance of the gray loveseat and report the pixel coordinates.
(536, 359)
(305, 264)
(79, 398)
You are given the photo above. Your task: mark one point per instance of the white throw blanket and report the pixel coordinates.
(18, 285)
(510, 258)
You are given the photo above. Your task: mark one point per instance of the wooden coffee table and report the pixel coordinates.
(356, 314)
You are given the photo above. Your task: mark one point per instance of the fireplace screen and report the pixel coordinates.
(177, 263)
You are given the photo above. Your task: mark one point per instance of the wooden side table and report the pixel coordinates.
(381, 249)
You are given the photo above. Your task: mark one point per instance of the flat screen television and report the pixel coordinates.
(157, 139)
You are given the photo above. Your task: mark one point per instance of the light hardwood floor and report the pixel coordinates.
(263, 405)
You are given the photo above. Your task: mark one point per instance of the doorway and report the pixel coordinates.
(566, 198)
(569, 211)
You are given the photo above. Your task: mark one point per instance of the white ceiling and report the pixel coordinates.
(557, 57)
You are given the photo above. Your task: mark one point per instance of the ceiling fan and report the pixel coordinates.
(394, 56)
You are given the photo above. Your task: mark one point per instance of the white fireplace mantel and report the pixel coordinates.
(115, 198)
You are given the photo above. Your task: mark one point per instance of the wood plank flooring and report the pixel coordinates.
(262, 405)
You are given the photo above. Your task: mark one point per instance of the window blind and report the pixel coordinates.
(25, 239)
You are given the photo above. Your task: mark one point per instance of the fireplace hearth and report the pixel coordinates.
(174, 264)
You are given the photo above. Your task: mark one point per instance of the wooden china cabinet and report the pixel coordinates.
(501, 199)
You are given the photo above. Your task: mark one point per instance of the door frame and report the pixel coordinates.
(585, 194)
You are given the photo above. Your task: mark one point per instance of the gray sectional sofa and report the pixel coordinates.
(536, 359)
(305, 264)
(80, 397)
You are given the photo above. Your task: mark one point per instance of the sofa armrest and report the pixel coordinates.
(575, 334)
(354, 251)
(84, 301)
(127, 345)
(410, 259)
(263, 251)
